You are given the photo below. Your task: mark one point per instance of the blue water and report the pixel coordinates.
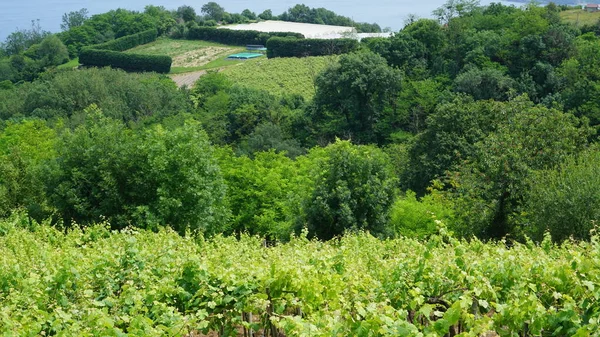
(387, 13)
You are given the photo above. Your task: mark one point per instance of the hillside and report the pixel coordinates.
(280, 75)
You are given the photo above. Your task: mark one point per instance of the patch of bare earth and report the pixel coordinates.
(199, 57)
(187, 79)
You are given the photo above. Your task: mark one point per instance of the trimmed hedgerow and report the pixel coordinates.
(110, 54)
(129, 62)
(293, 47)
(236, 37)
(129, 41)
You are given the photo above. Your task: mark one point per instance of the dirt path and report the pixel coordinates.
(187, 79)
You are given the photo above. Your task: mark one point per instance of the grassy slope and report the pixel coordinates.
(281, 75)
(580, 17)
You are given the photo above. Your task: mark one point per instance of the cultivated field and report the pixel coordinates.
(190, 55)
(280, 75)
(580, 17)
(102, 283)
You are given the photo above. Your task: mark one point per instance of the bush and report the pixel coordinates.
(129, 62)
(236, 37)
(354, 189)
(416, 218)
(565, 201)
(128, 42)
(293, 47)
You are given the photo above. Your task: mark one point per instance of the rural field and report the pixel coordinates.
(103, 283)
(281, 76)
(580, 17)
(190, 55)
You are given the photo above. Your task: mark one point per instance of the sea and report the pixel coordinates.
(387, 13)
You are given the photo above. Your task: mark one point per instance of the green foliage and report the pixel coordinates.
(74, 19)
(122, 96)
(355, 98)
(491, 186)
(102, 283)
(25, 148)
(483, 84)
(52, 52)
(157, 177)
(420, 219)
(565, 201)
(305, 14)
(129, 62)
(109, 54)
(449, 139)
(186, 13)
(213, 11)
(299, 47)
(128, 42)
(260, 192)
(354, 189)
(235, 37)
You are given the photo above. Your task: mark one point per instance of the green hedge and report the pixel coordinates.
(128, 42)
(110, 54)
(236, 37)
(293, 47)
(129, 62)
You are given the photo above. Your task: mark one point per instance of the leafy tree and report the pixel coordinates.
(127, 97)
(449, 139)
(489, 188)
(213, 11)
(266, 15)
(259, 191)
(18, 41)
(25, 148)
(486, 83)
(187, 13)
(156, 177)
(52, 52)
(354, 95)
(249, 14)
(453, 8)
(269, 136)
(74, 19)
(566, 200)
(413, 217)
(354, 189)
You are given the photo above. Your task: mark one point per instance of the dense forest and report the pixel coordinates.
(479, 125)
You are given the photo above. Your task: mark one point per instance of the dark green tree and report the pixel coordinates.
(213, 11)
(565, 201)
(354, 95)
(490, 187)
(354, 189)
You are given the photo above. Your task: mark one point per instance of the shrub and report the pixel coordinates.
(416, 218)
(565, 201)
(293, 47)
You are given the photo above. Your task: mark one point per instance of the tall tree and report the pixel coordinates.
(74, 19)
(354, 96)
(213, 11)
